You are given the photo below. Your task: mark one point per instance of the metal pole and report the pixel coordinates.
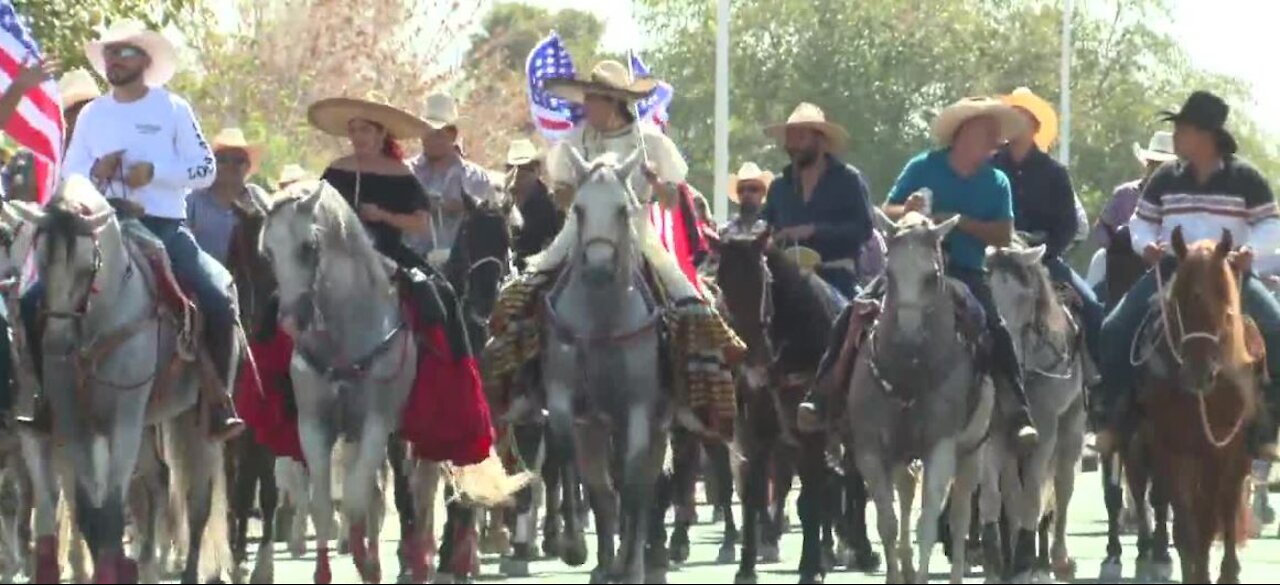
(1064, 149)
(721, 198)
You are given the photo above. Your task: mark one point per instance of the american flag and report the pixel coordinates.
(653, 108)
(554, 117)
(37, 123)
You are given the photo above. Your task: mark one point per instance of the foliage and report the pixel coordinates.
(513, 28)
(63, 26)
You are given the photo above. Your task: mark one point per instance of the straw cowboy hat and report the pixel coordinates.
(164, 58)
(332, 115)
(748, 172)
(522, 152)
(76, 87)
(952, 117)
(807, 115)
(609, 78)
(1160, 149)
(291, 173)
(233, 138)
(441, 112)
(1041, 110)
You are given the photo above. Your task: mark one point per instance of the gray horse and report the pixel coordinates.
(917, 393)
(109, 358)
(602, 372)
(1047, 346)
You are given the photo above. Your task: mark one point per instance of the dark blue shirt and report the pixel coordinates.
(1043, 200)
(838, 208)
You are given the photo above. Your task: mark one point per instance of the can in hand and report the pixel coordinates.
(928, 201)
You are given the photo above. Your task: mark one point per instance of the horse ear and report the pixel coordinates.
(579, 164)
(23, 211)
(1179, 243)
(1032, 256)
(1225, 245)
(941, 230)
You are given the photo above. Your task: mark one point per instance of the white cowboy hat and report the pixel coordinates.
(951, 118)
(332, 115)
(233, 138)
(609, 78)
(807, 115)
(291, 173)
(76, 87)
(164, 58)
(748, 172)
(522, 152)
(1160, 149)
(441, 111)
(1041, 110)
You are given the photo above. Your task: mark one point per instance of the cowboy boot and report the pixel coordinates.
(224, 424)
(1006, 366)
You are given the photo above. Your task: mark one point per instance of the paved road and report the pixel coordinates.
(1261, 558)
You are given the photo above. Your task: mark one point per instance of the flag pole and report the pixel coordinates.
(722, 113)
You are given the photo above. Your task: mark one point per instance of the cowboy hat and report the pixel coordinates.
(291, 173)
(164, 58)
(807, 115)
(1041, 110)
(1160, 149)
(441, 111)
(76, 87)
(331, 116)
(952, 117)
(1206, 111)
(522, 152)
(748, 172)
(233, 139)
(609, 78)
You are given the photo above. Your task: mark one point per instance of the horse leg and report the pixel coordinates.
(396, 454)
(245, 484)
(362, 496)
(562, 457)
(1070, 446)
(425, 484)
(594, 458)
(684, 463)
(905, 480)
(642, 454)
(262, 466)
(552, 482)
(657, 557)
(754, 496)
(722, 471)
(1161, 560)
(990, 504)
(814, 487)
(939, 471)
(881, 487)
(317, 446)
(38, 455)
(864, 559)
(1231, 503)
(968, 473)
(1113, 496)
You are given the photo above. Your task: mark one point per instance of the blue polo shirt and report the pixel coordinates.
(985, 196)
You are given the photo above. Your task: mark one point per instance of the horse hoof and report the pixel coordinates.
(552, 546)
(867, 561)
(817, 579)
(599, 575)
(1111, 571)
(1161, 571)
(575, 553)
(680, 553)
(445, 578)
(514, 568)
(717, 516)
(769, 554)
(323, 576)
(1065, 570)
(726, 555)
(128, 570)
(829, 560)
(263, 574)
(745, 579)
(47, 569)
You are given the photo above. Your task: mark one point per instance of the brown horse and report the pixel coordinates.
(1199, 411)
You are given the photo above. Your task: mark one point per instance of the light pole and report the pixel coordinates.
(722, 112)
(1064, 148)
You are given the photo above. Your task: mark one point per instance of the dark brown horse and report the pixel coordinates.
(1200, 410)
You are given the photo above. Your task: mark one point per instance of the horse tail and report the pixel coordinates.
(192, 459)
(486, 484)
(980, 421)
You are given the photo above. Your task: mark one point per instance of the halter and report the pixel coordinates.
(873, 341)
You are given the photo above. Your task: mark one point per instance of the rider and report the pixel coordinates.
(77, 88)
(1210, 189)
(445, 172)
(1044, 201)
(747, 188)
(819, 201)
(963, 181)
(209, 210)
(1124, 200)
(142, 143)
(541, 219)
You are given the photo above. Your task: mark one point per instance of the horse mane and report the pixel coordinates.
(1201, 260)
(1049, 311)
(801, 318)
(74, 201)
(334, 220)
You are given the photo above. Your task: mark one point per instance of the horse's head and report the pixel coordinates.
(1203, 310)
(743, 276)
(481, 254)
(1021, 287)
(914, 272)
(603, 209)
(255, 282)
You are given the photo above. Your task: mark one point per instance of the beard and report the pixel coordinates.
(803, 158)
(750, 209)
(119, 78)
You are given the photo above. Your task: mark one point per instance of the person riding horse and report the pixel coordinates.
(210, 211)
(525, 184)
(142, 144)
(1044, 201)
(819, 201)
(964, 182)
(1124, 199)
(1209, 190)
(747, 188)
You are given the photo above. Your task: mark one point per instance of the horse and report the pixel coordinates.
(112, 367)
(917, 392)
(602, 371)
(1047, 342)
(781, 315)
(1131, 464)
(1201, 404)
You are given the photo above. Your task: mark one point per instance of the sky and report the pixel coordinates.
(1227, 36)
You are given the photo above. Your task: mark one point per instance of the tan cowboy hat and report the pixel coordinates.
(522, 152)
(1041, 110)
(332, 115)
(1160, 149)
(233, 138)
(441, 111)
(291, 173)
(76, 87)
(164, 58)
(806, 257)
(609, 78)
(951, 118)
(748, 172)
(808, 115)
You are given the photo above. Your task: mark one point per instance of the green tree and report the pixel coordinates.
(63, 26)
(513, 28)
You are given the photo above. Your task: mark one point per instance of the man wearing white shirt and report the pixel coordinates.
(142, 144)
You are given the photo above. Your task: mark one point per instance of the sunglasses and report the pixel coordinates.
(232, 160)
(124, 52)
(750, 189)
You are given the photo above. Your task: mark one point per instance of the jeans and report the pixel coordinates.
(842, 279)
(1091, 311)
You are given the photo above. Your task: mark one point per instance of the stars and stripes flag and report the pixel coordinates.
(37, 123)
(553, 116)
(655, 107)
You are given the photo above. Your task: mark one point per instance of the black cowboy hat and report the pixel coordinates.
(1207, 112)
